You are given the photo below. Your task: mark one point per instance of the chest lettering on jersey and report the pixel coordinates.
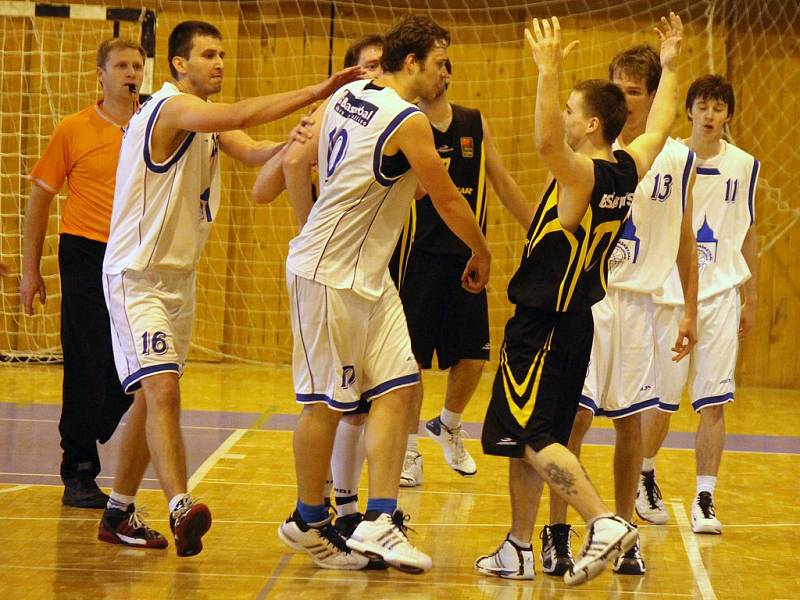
(612, 201)
(731, 189)
(662, 187)
(353, 108)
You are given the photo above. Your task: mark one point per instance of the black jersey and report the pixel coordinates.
(563, 271)
(461, 149)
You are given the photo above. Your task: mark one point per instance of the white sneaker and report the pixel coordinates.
(384, 536)
(649, 504)
(411, 476)
(608, 537)
(452, 441)
(323, 544)
(704, 518)
(509, 561)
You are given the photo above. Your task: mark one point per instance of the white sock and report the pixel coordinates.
(350, 508)
(347, 458)
(119, 501)
(412, 443)
(173, 504)
(706, 483)
(326, 491)
(450, 419)
(519, 542)
(648, 464)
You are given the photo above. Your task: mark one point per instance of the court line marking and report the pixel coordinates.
(15, 488)
(209, 463)
(701, 578)
(273, 578)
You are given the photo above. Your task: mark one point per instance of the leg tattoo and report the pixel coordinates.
(561, 478)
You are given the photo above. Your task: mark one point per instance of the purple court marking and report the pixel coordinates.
(30, 453)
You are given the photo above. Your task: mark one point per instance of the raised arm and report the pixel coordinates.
(574, 171)
(415, 139)
(646, 147)
(504, 185)
(34, 230)
(190, 113)
(296, 164)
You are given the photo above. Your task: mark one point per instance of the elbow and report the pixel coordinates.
(544, 143)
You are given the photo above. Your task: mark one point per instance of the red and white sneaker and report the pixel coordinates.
(127, 527)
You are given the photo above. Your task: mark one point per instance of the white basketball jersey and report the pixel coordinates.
(162, 211)
(724, 209)
(364, 196)
(646, 252)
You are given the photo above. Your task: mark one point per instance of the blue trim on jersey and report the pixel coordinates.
(687, 171)
(390, 129)
(668, 407)
(712, 401)
(708, 171)
(588, 404)
(634, 408)
(751, 195)
(162, 168)
(315, 398)
(388, 386)
(133, 382)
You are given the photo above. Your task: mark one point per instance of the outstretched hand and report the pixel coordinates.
(545, 41)
(337, 80)
(670, 32)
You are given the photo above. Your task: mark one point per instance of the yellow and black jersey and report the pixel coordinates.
(564, 271)
(461, 149)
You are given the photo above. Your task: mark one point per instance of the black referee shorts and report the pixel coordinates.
(543, 364)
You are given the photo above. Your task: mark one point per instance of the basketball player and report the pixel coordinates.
(83, 151)
(621, 382)
(727, 249)
(350, 335)
(167, 193)
(562, 274)
(426, 267)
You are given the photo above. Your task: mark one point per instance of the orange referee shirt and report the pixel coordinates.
(84, 150)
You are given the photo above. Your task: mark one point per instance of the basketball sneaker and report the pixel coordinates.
(704, 518)
(608, 537)
(411, 476)
(383, 536)
(649, 504)
(631, 562)
(509, 561)
(346, 525)
(83, 492)
(322, 542)
(452, 442)
(189, 522)
(127, 527)
(556, 550)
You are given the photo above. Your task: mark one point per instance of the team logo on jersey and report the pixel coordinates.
(627, 248)
(444, 149)
(348, 376)
(706, 246)
(467, 147)
(353, 108)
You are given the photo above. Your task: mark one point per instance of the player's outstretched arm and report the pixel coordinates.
(415, 139)
(296, 165)
(34, 230)
(190, 113)
(504, 185)
(646, 147)
(270, 181)
(687, 270)
(240, 146)
(574, 171)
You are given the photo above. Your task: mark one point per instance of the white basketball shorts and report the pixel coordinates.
(711, 365)
(345, 346)
(621, 376)
(151, 322)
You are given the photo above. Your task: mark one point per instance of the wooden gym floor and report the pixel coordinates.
(237, 424)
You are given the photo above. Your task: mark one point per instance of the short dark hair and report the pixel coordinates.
(606, 101)
(641, 62)
(107, 46)
(182, 38)
(354, 51)
(711, 87)
(415, 35)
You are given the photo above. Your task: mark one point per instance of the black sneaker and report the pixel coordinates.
(127, 527)
(83, 492)
(631, 562)
(346, 525)
(189, 522)
(556, 551)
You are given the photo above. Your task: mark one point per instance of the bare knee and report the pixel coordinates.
(712, 415)
(581, 425)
